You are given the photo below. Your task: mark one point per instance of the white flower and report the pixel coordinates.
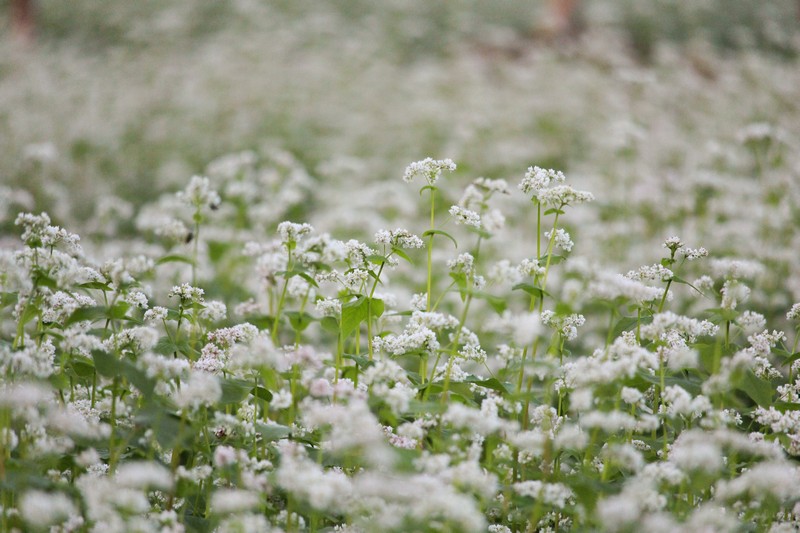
(465, 216)
(561, 239)
(430, 169)
(199, 193)
(538, 178)
(201, 389)
(41, 509)
(399, 238)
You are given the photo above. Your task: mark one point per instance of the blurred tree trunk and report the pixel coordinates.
(22, 20)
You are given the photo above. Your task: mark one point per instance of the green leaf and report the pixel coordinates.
(83, 366)
(376, 259)
(262, 394)
(376, 307)
(299, 320)
(360, 360)
(137, 377)
(554, 259)
(297, 272)
(533, 290)
(217, 249)
(442, 233)
(273, 432)
(8, 298)
(106, 364)
(96, 285)
(676, 279)
(330, 324)
(234, 390)
(31, 311)
(553, 211)
(491, 383)
(431, 188)
(86, 313)
(461, 280)
(759, 390)
(496, 302)
(401, 254)
(790, 358)
(353, 313)
(175, 258)
(624, 324)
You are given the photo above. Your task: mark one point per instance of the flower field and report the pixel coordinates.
(289, 267)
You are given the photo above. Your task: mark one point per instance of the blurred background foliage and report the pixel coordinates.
(133, 97)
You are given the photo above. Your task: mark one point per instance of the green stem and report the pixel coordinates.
(454, 348)
(281, 300)
(369, 309)
(430, 249)
(664, 298)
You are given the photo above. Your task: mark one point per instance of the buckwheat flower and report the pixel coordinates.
(418, 302)
(290, 232)
(608, 421)
(538, 178)
(143, 475)
(693, 253)
(557, 495)
(227, 337)
(201, 389)
(563, 195)
(493, 220)
(329, 307)
(29, 360)
(225, 501)
(465, 216)
(34, 227)
(762, 343)
(199, 193)
(156, 314)
(608, 286)
(693, 450)
(522, 328)
(561, 240)
(428, 168)
(356, 279)
(281, 400)
(673, 244)
(137, 299)
(779, 479)
(212, 359)
(40, 509)
(794, 312)
(499, 186)
(187, 294)
(162, 367)
(531, 267)
(399, 238)
(751, 322)
(631, 396)
(434, 321)
(656, 272)
(567, 326)
(691, 328)
(214, 311)
(473, 198)
(60, 306)
(618, 512)
(733, 292)
(463, 264)
(736, 268)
